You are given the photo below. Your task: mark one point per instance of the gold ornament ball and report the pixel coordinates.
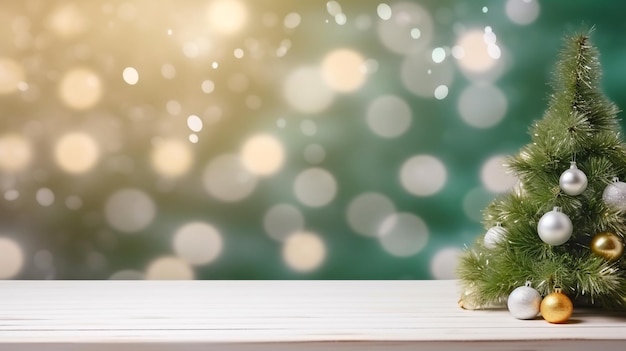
(556, 307)
(607, 245)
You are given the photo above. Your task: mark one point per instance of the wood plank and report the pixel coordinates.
(260, 315)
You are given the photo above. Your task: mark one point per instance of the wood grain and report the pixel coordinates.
(276, 315)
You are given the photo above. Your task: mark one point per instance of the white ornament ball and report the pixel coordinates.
(554, 227)
(573, 181)
(614, 194)
(494, 235)
(524, 302)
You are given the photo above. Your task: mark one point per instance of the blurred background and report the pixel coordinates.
(258, 139)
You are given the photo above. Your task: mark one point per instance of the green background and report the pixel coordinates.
(57, 242)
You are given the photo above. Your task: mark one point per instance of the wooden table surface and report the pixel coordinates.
(277, 315)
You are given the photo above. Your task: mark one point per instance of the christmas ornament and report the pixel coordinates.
(494, 235)
(573, 181)
(554, 227)
(556, 307)
(524, 302)
(614, 194)
(607, 245)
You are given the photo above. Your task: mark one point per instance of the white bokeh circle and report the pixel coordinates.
(263, 154)
(76, 152)
(403, 234)
(315, 187)
(226, 179)
(444, 263)
(421, 76)
(388, 116)
(495, 176)
(522, 12)
(403, 17)
(343, 70)
(11, 258)
(306, 91)
(304, 251)
(482, 105)
(198, 243)
(169, 268)
(423, 175)
(15, 152)
(130, 210)
(282, 220)
(367, 212)
(80, 88)
(171, 158)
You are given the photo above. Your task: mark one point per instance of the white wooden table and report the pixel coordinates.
(277, 316)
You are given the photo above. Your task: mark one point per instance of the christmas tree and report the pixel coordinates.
(562, 227)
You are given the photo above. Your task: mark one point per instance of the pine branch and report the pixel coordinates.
(579, 124)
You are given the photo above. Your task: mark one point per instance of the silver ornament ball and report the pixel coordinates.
(614, 194)
(524, 302)
(554, 227)
(573, 181)
(494, 236)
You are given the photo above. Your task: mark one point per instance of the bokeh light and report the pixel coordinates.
(15, 152)
(171, 158)
(227, 179)
(306, 91)
(11, 258)
(198, 243)
(308, 127)
(169, 268)
(44, 197)
(282, 220)
(403, 234)
(444, 263)
(423, 175)
(11, 75)
(421, 76)
(384, 11)
(130, 75)
(80, 88)
(522, 12)
(367, 212)
(67, 21)
(208, 86)
(482, 105)
(11, 195)
(168, 71)
(227, 16)
(438, 55)
(130, 210)
(315, 187)
(344, 70)
(495, 176)
(194, 123)
(388, 116)
(474, 53)
(397, 22)
(74, 202)
(304, 251)
(333, 8)
(76, 152)
(251, 139)
(262, 154)
(292, 20)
